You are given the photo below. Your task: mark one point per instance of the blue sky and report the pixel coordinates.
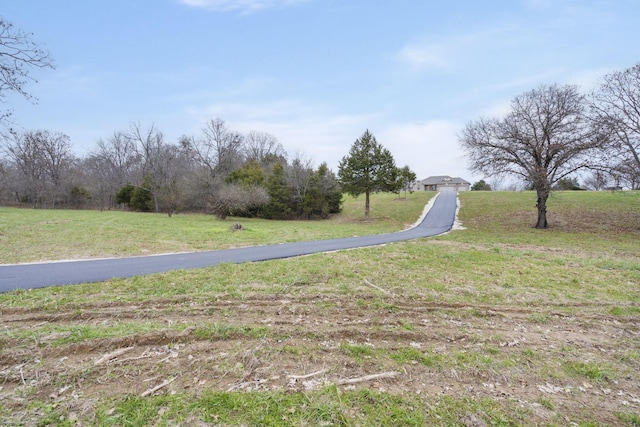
(314, 73)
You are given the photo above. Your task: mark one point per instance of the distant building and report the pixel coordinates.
(442, 183)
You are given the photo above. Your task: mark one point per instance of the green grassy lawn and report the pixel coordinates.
(498, 322)
(28, 235)
(604, 218)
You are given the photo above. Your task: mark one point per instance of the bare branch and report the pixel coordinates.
(19, 56)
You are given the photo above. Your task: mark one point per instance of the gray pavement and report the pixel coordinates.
(438, 220)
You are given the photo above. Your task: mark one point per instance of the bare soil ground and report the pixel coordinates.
(301, 342)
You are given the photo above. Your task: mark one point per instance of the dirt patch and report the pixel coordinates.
(552, 364)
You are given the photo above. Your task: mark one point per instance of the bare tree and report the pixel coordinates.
(120, 153)
(57, 154)
(170, 181)
(98, 178)
(19, 56)
(263, 147)
(43, 158)
(215, 154)
(26, 157)
(299, 175)
(226, 146)
(218, 149)
(626, 172)
(616, 107)
(112, 165)
(546, 137)
(149, 144)
(597, 180)
(5, 178)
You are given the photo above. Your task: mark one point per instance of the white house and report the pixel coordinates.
(442, 183)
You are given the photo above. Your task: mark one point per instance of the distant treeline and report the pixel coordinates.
(218, 171)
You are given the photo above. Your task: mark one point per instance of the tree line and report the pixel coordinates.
(554, 131)
(218, 171)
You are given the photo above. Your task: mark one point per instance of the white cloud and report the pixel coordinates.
(458, 50)
(429, 148)
(317, 131)
(324, 135)
(424, 56)
(241, 5)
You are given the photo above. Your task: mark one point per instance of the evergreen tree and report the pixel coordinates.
(314, 202)
(250, 174)
(142, 198)
(481, 186)
(369, 168)
(123, 196)
(279, 206)
(330, 188)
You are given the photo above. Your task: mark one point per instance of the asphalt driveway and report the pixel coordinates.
(438, 220)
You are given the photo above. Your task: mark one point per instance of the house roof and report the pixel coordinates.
(443, 179)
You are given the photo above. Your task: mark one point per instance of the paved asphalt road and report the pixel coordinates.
(438, 220)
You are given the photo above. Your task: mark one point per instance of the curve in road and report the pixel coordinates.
(438, 220)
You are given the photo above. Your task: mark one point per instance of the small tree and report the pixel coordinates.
(567, 184)
(141, 197)
(369, 168)
(124, 194)
(481, 186)
(79, 196)
(546, 137)
(406, 179)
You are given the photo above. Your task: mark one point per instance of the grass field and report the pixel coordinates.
(498, 324)
(28, 235)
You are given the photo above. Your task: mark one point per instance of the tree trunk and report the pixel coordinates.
(543, 195)
(366, 205)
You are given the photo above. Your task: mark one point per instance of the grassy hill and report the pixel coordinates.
(498, 323)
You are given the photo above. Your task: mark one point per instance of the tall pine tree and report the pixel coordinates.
(369, 168)
(279, 206)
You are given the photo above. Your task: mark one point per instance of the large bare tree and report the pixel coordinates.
(218, 149)
(162, 167)
(616, 107)
(19, 56)
(547, 136)
(149, 144)
(43, 159)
